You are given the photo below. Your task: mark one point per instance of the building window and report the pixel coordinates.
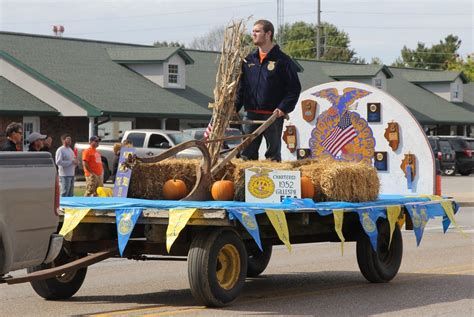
(173, 73)
(456, 92)
(378, 83)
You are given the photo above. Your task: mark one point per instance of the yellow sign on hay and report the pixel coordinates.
(338, 220)
(72, 217)
(392, 215)
(278, 220)
(178, 218)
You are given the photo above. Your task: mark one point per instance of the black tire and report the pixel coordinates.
(257, 260)
(465, 173)
(63, 286)
(212, 283)
(383, 265)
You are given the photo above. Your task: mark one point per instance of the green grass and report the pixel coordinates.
(79, 191)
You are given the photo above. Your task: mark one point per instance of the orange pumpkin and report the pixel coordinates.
(307, 187)
(174, 189)
(223, 190)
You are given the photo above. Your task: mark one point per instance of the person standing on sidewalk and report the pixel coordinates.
(93, 170)
(14, 132)
(269, 84)
(66, 161)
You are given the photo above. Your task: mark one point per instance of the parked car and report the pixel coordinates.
(463, 147)
(444, 155)
(146, 143)
(198, 134)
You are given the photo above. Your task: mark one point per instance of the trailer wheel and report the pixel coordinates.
(383, 265)
(217, 266)
(62, 286)
(257, 260)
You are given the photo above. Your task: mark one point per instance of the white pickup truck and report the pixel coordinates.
(29, 199)
(146, 142)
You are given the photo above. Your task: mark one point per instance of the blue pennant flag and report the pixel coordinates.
(247, 218)
(419, 218)
(368, 220)
(126, 220)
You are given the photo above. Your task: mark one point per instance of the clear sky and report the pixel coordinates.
(376, 27)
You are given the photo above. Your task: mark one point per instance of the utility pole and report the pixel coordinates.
(280, 20)
(318, 30)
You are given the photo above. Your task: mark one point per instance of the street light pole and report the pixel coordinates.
(318, 29)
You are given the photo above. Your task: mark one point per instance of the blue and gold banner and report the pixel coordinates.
(72, 217)
(122, 178)
(247, 219)
(419, 217)
(177, 220)
(278, 220)
(368, 219)
(126, 220)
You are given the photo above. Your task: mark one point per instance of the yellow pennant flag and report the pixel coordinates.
(392, 215)
(432, 197)
(448, 210)
(72, 217)
(178, 218)
(338, 220)
(278, 220)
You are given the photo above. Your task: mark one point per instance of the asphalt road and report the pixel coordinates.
(435, 279)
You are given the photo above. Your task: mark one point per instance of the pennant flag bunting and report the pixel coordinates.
(178, 218)
(72, 217)
(125, 220)
(247, 219)
(448, 209)
(393, 212)
(338, 220)
(419, 218)
(368, 219)
(278, 220)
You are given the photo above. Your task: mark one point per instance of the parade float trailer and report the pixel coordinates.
(340, 135)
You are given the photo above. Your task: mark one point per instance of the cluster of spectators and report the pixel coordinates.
(65, 157)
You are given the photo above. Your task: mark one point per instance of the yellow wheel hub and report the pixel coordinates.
(228, 266)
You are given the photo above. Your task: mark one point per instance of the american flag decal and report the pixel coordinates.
(342, 134)
(208, 130)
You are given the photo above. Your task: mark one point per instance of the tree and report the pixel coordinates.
(437, 56)
(299, 38)
(466, 66)
(212, 41)
(376, 61)
(166, 44)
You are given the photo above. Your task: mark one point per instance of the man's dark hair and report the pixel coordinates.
(267, 27)
(64, 136)
(13, 127)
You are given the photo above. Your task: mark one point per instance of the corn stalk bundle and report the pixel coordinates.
(227, 80)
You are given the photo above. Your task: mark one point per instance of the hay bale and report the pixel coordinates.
(148, 178)
(342, 181)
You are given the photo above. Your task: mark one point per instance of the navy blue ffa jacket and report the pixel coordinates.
(272, 84)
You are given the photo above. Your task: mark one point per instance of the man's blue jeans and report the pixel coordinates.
(66, 184)
(272, 137)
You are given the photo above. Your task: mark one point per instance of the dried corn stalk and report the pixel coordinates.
(227, 80)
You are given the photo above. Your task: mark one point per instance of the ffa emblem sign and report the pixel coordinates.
(303, 153)
(261, 185)
(380, 161)
(373, 112)
(368, 223)
(248, 221)
(271, 65)
(309, 107)
(392, 135)
(289, 136)
(125, 224)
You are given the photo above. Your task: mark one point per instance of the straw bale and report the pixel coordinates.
(342, 181)
(148, 178)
